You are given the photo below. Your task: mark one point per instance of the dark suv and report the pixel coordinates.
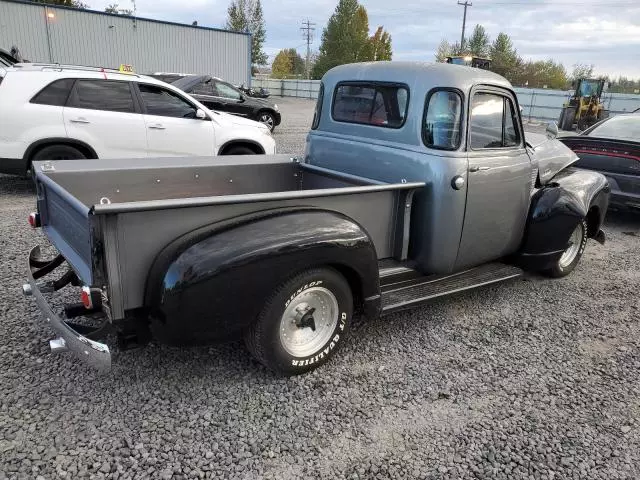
(224, 97)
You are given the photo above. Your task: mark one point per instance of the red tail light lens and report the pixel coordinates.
(85, 296)
(34, 219)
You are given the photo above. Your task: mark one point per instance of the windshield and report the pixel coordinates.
(589, 87)
(622, 127)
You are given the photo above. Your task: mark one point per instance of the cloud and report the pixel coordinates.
(603, 33)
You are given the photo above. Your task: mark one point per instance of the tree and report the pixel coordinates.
(541, 74)
(64, 3)
(504, 58)
(346, 39)
(113, 8)
(288, 62)
(478, 44)
(246, 16)
(443, 51)
(581, 71)
(380, 45)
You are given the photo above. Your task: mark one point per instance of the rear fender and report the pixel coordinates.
(556, 209)
(213, 282)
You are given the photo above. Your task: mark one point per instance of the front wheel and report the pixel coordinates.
(571, 256)
(303, 322)
(267, 118)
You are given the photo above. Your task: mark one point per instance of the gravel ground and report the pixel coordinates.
(534, 379)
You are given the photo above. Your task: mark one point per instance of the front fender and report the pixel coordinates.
(556, 209)
(213, 285)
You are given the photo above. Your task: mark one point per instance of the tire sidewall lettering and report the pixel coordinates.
(302, 289)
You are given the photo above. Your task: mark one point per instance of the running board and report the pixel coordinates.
(430, 287)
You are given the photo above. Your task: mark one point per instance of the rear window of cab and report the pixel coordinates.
(376, 104)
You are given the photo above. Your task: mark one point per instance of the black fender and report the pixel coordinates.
(213, 282)
(556, 209)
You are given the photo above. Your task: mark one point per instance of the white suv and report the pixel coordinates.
(54, 112)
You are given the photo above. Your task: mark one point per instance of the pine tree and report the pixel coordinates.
(380, 44)
(504, 58)
(246, 16)
(345, 39)
(444, 50)
(478, 44)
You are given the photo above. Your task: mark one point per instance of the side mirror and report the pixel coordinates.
(201, 115)
(552, 130)
(242, 97)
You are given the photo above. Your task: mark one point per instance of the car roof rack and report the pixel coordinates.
(60, 66)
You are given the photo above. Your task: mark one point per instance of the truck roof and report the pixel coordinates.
(418, 75)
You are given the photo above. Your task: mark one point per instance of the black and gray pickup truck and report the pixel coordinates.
(417, 182)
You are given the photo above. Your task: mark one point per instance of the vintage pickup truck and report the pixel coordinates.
(417, 182)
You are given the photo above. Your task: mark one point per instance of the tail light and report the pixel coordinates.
(91, 297)
(34, 219)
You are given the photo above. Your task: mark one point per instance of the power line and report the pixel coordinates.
(464, 21)
(307, 33)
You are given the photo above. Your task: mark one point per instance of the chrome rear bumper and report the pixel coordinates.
(93, 353)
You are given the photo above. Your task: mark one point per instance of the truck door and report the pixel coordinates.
(499, 179)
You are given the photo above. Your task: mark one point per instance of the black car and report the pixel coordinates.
(224, 97)
(612, 147)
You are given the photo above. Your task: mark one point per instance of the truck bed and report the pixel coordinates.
(111, 218)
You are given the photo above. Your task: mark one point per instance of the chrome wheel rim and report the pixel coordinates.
(267, 120)
(309, 321)
(572, 250)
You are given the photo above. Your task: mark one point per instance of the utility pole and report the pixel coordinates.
(464, 21)
(307, 33)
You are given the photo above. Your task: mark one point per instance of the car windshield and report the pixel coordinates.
(623, 127)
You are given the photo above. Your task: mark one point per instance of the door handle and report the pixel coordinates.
(478, 168)
(157, 126)
(79, 120)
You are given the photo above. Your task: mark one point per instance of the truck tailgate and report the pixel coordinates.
(66, 222)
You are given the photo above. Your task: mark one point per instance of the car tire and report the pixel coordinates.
(572, 255)
(58, 152)
(239, 150)
(289, 336)
(267, 118)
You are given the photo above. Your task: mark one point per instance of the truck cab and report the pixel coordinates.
(456, 128)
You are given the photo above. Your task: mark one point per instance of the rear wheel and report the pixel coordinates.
(571, 256)
(58, 152)
(239, 150)
(303, 323)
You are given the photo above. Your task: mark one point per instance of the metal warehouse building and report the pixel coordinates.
(46, 33)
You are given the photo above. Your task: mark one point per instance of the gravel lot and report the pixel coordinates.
(536, 379)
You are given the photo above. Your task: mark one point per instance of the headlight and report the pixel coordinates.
(275, 107)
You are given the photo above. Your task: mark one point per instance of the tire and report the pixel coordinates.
(571, 256)
(288, 337)
(569, 115)
(266, 118)
(239, 150)
(58, 152)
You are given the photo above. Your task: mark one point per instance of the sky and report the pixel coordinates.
(605, 33)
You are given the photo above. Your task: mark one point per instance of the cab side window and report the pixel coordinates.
(376, 104)
(442, 120)
(493, 122)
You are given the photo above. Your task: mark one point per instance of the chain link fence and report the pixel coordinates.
(539, 105)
